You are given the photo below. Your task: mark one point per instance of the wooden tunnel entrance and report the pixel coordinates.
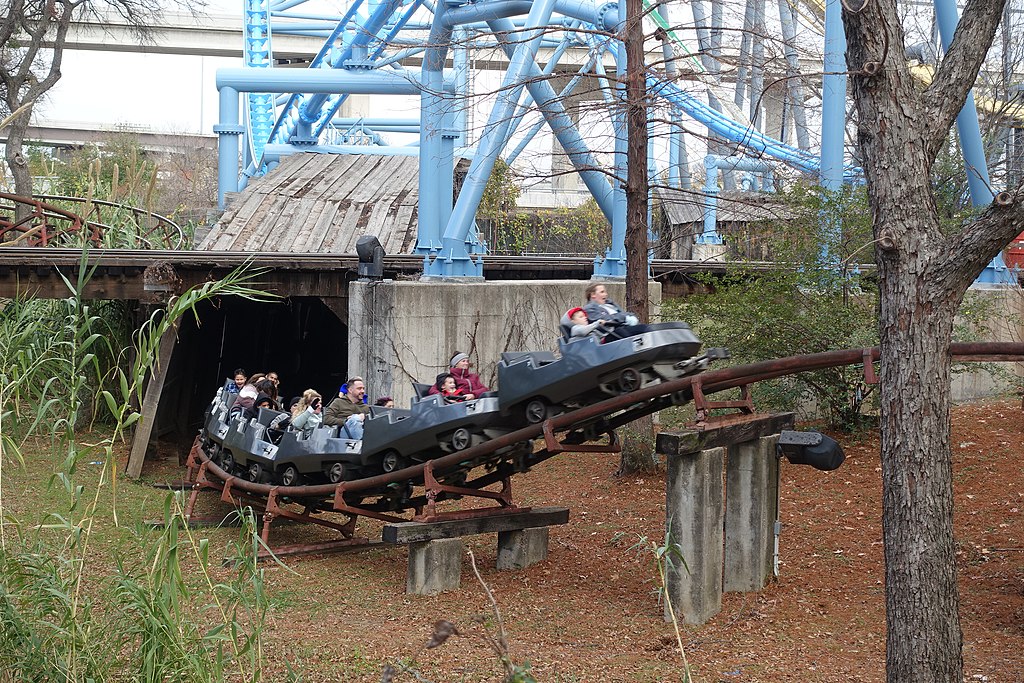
(300, 338)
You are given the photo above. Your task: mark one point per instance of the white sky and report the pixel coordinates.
(167, 93)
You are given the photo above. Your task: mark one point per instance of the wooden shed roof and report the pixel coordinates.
(687, 206)
(321, 203)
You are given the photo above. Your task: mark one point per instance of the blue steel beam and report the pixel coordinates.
(365, 32)
(566, 91)
(332, 104)
(230, 82)
(972, 147)
(454, 260)
(564, 129)
(434, 166)
(754, 141)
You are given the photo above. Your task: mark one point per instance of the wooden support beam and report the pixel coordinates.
(418, 532)
(150, 402)
(725, 433)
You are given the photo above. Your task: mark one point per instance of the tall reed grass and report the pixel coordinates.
(154, 609)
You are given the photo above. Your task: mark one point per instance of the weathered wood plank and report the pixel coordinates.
(749, 428)
(149, 405)
(418, 532)
(321, 202)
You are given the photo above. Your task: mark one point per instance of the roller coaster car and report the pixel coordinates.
(394, 438)
(252, 449)
(537, 384)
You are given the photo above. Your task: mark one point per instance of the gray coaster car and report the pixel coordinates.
(250, 448)
(392, 439)
(537, 384)
(395, 438)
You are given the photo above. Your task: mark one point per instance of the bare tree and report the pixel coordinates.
(923, 276)
(637, 447)
(32, 39)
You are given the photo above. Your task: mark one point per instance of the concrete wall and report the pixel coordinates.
(1005, 312)
(401, 332)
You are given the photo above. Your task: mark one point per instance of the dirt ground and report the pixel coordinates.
(590, 612)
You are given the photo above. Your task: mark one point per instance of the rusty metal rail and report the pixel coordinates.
(605, 416)
(46, 221)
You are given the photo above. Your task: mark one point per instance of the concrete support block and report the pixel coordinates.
(751, 492)
(521, 548)
(694, 519)
(434, 566)
(709, 252)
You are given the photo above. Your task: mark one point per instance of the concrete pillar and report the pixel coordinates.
(709, 252)
(751, 492)
(520, 548)
(371, 345)
(434, 566)
(694, 519)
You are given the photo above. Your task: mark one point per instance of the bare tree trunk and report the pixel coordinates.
(638, 436)
(16, 159)
(917, 478)
(923, 274)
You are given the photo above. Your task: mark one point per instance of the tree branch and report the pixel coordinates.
(945, 97)
(971, 249)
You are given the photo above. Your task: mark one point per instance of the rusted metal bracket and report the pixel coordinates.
(745, 404)
(433, 488)
(553, 445)
(869, 368)
(341, 506)
(274, 510)
(274, 507)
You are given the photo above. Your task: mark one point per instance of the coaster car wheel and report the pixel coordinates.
(392, 462)
(629, 380)
(536, 411)
(336, 473)
(290, 476)
(461, 439)
(227, 461)
(255, 473)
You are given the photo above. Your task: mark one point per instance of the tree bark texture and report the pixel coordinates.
(923, 275)
(636, 162)
(638, 436)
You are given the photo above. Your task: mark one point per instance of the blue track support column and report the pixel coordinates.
(712, 165)
(460, 62)
(454, 260)
(971, 145)
(833, 85)
(562, 125)
(228, 130)
(432, 122)
(710, 233)
(613, 265)
(833, 113)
